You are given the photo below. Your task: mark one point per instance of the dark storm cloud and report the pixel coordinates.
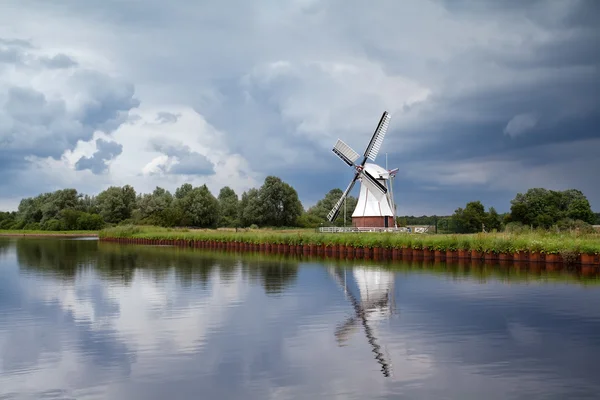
(553, 101)
(31, 124)
(35, 122)
(112, 100)
(487, 101)
(500, 76)
(97, 163)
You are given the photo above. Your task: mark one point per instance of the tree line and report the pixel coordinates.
(274, 204)
(538, 208)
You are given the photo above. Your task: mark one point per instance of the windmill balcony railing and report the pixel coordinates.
(346, 229)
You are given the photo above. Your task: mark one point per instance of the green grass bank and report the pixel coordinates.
(510, 243)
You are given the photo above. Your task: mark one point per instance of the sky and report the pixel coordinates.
(487, 98)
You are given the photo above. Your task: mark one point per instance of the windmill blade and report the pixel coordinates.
(375, 143)
(343, 331)
(345, 152)
(336, 208)
(373, 185)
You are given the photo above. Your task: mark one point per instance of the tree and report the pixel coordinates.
(116, 204)
(540, 207)
(69, 218)
(228, 206)
(493, 220)
(30, 209)
(183, 190)
(471, 218)
(325, 205)
(7, 220)
(249, 210)
(87, 221)
(579, 209)
(198, 208)
(279, 203)
(422, 220)
(155, 208)
(87, 204)
(57, 201)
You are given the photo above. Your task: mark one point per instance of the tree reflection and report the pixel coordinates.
(274, 275)
(4, 245)
(112, 261)
(227, 268)
(59, 257)
(189, 266)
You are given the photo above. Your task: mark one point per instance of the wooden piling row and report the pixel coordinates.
(375, 253)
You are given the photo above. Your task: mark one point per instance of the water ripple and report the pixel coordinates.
(87, 320)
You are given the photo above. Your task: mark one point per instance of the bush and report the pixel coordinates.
(32, 226)
(90, 222)
(307, 220)
(516, 227)
(52, 225)
(7, 224)
(568, 224)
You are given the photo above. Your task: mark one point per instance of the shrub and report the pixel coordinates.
(90, 222)
(52, 225)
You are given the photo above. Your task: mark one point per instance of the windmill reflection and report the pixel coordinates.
(374, 302)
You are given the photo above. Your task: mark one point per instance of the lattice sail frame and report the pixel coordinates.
(377, 139)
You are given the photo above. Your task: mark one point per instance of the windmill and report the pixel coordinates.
(375, 206)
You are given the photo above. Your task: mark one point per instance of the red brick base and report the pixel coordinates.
(372, 222)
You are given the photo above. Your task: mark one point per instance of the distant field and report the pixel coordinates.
(542, 242)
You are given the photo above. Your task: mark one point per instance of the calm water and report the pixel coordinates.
(81, 319)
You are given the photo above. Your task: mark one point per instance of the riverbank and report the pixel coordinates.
(48, 233)
(571, 248)
(157, 258)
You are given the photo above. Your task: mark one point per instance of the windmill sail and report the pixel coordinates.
(336, 208)
(377, 139)
(373, 184)
(345, 152)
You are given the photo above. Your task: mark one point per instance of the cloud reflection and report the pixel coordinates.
(126, 322)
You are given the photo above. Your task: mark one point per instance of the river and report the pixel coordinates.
(80, 319)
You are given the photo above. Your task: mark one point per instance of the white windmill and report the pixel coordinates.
(375, 206)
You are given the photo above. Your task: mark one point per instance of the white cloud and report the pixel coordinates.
(140, 164)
